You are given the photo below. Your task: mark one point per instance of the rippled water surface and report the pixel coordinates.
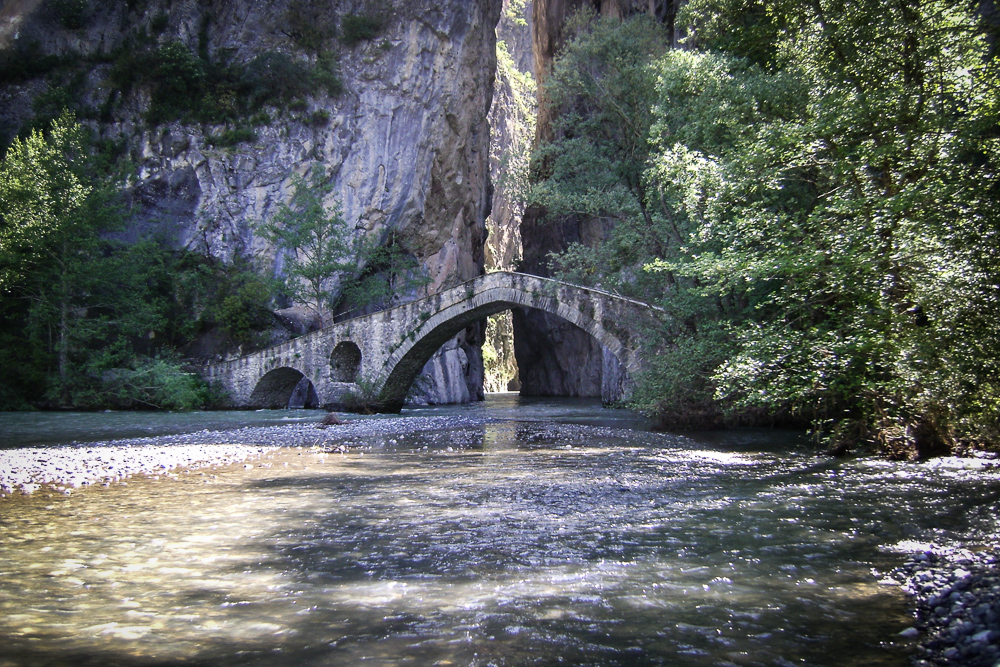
(512, 543)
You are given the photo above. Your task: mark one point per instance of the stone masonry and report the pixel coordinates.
(378, 356)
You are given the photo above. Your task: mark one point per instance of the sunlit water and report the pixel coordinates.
(513, 543)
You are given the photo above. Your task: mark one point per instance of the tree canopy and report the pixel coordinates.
(814, 200)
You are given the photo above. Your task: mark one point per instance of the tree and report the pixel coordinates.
(602, 91)
(819, 188)
(389, 272)
(860, 223)
(318, 239)
(53, 205)
(81, 312)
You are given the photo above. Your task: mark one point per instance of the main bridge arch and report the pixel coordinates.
(383, 353)
(495, 293)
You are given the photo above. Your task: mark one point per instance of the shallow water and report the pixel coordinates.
(513, 543)
(30, 429)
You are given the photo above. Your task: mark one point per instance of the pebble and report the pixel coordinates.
(77, 465)
(956, 594)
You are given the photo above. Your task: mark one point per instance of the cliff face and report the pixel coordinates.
(406, 142)
(512, 126)
(554, 357)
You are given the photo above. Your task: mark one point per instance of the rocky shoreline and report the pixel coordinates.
(955, 592)
(62, 469)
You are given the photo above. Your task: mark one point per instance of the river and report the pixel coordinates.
(552, 532)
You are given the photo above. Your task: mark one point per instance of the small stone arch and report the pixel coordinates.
(281, 388)
(345, 362)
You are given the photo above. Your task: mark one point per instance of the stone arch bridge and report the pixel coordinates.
(377, 357)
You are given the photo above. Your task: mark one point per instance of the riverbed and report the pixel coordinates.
(511, 533)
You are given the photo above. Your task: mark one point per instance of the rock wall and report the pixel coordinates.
(512, 126)
(555, 358)
(406, 142)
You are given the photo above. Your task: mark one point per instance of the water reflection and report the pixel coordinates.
(516, 543)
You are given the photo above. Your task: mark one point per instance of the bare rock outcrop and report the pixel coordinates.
(406, 142)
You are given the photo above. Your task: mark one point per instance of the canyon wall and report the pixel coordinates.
(406, 142)
(554, 357)
(512, 126)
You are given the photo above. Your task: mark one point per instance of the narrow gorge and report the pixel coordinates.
(423, 116)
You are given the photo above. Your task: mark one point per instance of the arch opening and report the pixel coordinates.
(283, 388)
(345, 362)
(412, 361)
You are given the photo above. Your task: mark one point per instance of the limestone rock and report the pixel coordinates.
(406, 143)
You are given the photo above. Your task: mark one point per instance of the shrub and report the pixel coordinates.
(160, 384)
(232, 137)
(309, 24)
(275, 77)
(159, 23)
(26, 62)
(71, 14)
(177, 78)
(320, 117)
(359, 27)
(326, 74)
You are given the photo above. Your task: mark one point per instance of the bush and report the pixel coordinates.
(320, 117)
(159, 23)
(229, 138)
(160, 384)
(274, 77)
(326, 74)
(26, 62)
(71, 14)
(359, 27)
(308, 23)
(177, 78)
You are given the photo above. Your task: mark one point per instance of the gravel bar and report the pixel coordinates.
(956, 593)
(76, 465)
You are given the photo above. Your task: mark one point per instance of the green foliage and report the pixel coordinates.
(181, 83)
(361, 397)
(325, 266)
(273, 77)
(390, 272)
(356, 28)
(188, 87)
(603, 92)
(47, 199)
(176, 76)
(88, 322)
(814, 202)
(159, 23)
(150, 383)
(25, 61)
(310, 25)
(326, 74)
(241, 307)
(515, 11)
(320, 117)
(71, 14)
(233, 137)
(745, 29)
(317, 239)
